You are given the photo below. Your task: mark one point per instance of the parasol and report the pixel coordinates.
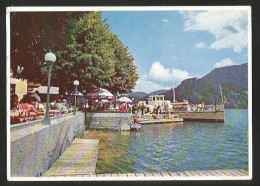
(100, 94)
(125, 99)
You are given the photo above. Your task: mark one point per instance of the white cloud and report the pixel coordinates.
(145, 85)
(229, 27)
(201, 45)
(159, 73)
(165, 20)
(224, 62)
(180, 75)
(160, 78)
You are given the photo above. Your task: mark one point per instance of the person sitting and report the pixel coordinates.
(14, 109)
(136, 119)
(38, 106)
(14, 102)
(58, 105)
(65, 106)
(24, 111)
(65, 103)
(26, 99)
(33, 107)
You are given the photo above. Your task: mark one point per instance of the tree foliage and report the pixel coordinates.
(86, 50)
(32, 36)
(124, 67)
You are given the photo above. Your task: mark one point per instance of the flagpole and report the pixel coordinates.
(173, 90)
(221, 93)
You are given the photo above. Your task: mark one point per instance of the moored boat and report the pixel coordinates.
(135, 126)
(211, 114)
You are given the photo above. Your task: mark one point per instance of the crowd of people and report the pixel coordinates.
(156, 109)
(107, 106)
(30, 107)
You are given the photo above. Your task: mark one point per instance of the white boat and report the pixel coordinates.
(207, 113)
(199, 112)
(135, 126)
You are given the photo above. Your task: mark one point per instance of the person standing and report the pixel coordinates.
(158, 110)
(142, 109)
(35, 93)
(123, 107)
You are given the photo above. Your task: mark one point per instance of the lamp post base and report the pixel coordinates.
(46, 120)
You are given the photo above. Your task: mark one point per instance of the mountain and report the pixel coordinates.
(137, 94)
(158, 92)
(233, 81)
(234, 76)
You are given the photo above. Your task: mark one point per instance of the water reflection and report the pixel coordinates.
(169, 147)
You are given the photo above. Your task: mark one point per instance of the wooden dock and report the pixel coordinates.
(79, 159)
(234, 173)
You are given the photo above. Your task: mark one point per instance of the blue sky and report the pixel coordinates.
(175, 45)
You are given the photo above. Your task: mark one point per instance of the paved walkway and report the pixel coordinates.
(79, 159)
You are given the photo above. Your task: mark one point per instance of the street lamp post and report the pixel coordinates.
(50, 58)
(76, 83)
(84, 92)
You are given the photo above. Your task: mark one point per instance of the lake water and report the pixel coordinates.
(170, 147)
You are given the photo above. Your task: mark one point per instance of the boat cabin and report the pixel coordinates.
(156, 100)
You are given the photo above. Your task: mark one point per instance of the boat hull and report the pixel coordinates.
(218, 116)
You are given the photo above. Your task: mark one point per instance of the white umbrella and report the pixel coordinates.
(125, 99)
(100, 94)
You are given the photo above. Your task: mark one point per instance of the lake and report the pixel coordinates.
(176, 147)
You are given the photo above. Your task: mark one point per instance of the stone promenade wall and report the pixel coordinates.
(108, 121)
(35, 147)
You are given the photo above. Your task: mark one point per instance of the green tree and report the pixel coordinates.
(86, 50)
(33, 34)
(88, 57)
(124, 67)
